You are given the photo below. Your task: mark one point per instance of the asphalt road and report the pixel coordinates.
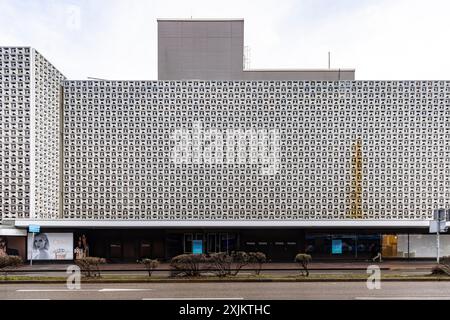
(238, 291)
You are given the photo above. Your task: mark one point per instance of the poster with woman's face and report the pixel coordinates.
(50, 246)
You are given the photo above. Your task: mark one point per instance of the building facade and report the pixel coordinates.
(261, 150)
(30, 117)
(279, 161)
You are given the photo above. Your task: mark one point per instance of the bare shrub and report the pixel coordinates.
(187, 265)
(223, 264)
(9, 262)
(90, 266)
(443, 268)
(150, 265)
(303, 260)
(258, 259)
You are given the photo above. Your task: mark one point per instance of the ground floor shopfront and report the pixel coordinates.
(130, 245)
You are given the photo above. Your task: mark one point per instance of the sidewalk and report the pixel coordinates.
(347, 265)
(280, 272)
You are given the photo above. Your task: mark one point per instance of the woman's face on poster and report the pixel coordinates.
(39, 242)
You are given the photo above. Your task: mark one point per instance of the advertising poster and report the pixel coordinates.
(197, 247)
(336, 247)
(50, 246)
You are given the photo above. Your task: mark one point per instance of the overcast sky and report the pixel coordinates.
(117, 39)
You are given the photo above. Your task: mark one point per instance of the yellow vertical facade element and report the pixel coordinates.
(355, 211)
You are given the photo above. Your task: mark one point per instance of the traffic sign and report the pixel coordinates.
(441, 214)
(434, 226)
(34, 228)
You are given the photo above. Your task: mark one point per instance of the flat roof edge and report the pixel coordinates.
(198, 19)
(24, 223)
(299, 70)
(16, 47)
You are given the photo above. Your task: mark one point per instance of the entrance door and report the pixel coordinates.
(129, 250)
(336, 246)
(365, 244)
(228, 242)
(343, 246)
(389, 245)
(211, 243)
(145, 250)
(115, 250)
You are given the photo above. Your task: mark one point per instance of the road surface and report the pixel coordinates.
(238, 291)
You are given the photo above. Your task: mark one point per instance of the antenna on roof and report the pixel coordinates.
(90, 78)
(329, 60)
(247, 57)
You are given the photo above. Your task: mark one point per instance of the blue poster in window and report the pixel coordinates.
(197, 247)
(336, 247)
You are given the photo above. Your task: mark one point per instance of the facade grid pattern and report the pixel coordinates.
(30, 103)
(15, 114)
(125, 156)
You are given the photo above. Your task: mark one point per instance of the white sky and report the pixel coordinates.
(117, 39)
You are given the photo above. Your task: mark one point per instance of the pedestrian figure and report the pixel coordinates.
(375, 252)
(79, 252)
(85, 245)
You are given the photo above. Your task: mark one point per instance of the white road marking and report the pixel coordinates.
(26, 299)
(225, 298)
(403, 298)
(56, 290)
(122, 290)
(82, 290)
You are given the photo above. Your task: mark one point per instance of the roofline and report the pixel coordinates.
(198, 19)
(244, 224)
(261, 80)
(16, 47)
(34, 50)
(299, 70)
(49, 62)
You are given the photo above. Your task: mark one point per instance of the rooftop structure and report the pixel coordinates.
(205, 49)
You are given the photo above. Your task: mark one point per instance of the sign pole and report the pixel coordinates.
(33, 228)
(438, 242)
(32, 242)
(438, 225)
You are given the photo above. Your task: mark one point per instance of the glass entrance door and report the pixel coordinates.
(212, 243)
(145, 249)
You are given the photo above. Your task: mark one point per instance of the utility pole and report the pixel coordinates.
(441, 216)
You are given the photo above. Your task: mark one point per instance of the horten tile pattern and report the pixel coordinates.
(256, 149)
(30, 89)
(48, 109)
